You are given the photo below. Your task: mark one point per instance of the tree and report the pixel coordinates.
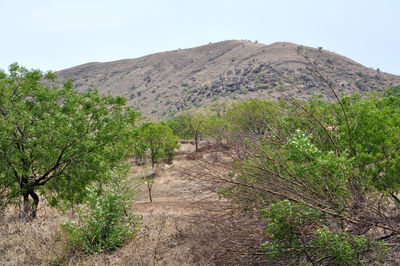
(190, 125)
(252, 116)
(139, 147)
(180, 126)
(56, 140)
(375, 141)
(159, 140)
(216, 128)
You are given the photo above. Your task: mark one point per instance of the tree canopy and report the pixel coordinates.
(158, 139)
(55, 139)
(190, 125)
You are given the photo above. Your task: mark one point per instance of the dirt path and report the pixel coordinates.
(169, 231)
(185, 224)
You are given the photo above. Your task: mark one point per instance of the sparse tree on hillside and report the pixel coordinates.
(197, 126)
(190, 125)
(139, 147)
(159, 140)
(252, 116)
(216, 128)
(56, 140)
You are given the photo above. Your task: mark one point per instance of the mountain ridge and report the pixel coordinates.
(164, 83)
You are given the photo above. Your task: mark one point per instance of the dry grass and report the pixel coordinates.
(29, 243)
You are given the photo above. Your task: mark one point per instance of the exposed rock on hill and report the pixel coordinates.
(162, 84)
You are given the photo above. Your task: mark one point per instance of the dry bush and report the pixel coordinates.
(227, 237)
(224, 233)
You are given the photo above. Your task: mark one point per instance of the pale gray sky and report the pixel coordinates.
(57, 34)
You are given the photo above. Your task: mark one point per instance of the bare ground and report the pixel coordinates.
(188, 224)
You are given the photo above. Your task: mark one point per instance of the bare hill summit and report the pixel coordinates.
(163, 83)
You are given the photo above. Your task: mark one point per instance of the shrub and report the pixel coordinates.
(298, 232)
(104, 223)
(335, 164)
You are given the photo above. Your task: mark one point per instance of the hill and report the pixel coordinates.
(164, 83)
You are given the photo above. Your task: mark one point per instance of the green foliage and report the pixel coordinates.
(179, 125)
(340, 249)
(337, 159)
(252, 116)
(139, 146)
(392, 90)
(216, 128)
(375, 139)
(297, 231)
(105, 222)
(287, 220)
(323, 172)
(56, 139)
(190, 125)
(158, 139)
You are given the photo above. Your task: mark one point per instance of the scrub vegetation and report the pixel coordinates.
(304, 182)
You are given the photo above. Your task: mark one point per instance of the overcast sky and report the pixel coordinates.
(57, 34)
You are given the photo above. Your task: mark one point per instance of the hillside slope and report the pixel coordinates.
(164, 83)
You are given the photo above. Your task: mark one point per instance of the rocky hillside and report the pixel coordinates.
(162, 84)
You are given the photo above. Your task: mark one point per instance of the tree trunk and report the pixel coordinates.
(170, 158)
(149, 189)
(35, 204)
(196, 142)
(26, 208)
(30, 209)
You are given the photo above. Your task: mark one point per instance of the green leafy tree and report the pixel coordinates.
(139, 146)
(375, 127)
(180, 126)
(169, 147)
(159, 140)
(56, 140)
(216, 128)
(252, 116)
(197, 126)
(190, 125)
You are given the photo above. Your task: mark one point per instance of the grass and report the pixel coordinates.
(29, 243)
(41, 241)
